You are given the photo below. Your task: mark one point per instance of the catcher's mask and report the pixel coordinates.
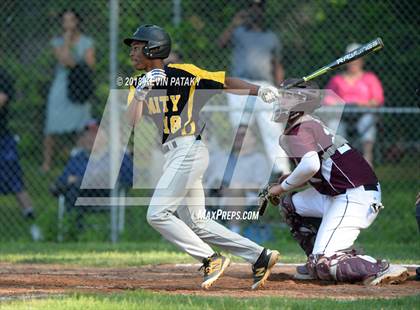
(302, 99)
(158, 42)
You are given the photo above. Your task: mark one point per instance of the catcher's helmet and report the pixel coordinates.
(302, 99)
(158, 42)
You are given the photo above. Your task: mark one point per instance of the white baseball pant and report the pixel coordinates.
(180, 190)
(343, 216)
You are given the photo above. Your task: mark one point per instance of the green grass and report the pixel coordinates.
(137, 254)
(93, 254)
(147, 300)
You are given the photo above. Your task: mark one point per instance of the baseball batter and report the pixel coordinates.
(172, 96)
(344, 195)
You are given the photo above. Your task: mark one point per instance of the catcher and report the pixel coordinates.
(344, 195)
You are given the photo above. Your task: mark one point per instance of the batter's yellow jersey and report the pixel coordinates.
(174, 104)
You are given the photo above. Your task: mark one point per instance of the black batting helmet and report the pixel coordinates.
(304, 98)
(158, 42)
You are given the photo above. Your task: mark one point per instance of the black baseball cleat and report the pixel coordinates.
(302, 273)
(213, 266)
(262, 267)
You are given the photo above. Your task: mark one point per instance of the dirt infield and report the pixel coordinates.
(23, 281)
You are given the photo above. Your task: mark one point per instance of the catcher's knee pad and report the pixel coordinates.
(303, 229)
(348, 267)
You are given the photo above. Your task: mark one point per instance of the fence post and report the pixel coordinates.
(177, 12)
(114, 117)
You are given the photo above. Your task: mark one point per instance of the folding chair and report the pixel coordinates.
(116, 215)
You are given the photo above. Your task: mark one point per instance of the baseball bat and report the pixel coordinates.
(372, 46)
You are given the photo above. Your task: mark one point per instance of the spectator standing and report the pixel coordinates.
(256, 58)
(11, 175)
(361, 88)
(243, 185)
(64, 115)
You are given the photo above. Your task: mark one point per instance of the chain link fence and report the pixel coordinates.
(42, 129)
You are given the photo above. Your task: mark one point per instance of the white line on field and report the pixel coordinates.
(282, 264)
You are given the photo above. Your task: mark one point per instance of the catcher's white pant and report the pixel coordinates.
(270, 131)
(343, 216)
(180, 190)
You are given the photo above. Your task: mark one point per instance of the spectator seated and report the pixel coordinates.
(68, 186)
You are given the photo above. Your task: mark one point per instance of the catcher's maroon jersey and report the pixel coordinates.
(345, 168)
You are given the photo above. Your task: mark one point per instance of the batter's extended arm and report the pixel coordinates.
(240, 87)
(268, 94)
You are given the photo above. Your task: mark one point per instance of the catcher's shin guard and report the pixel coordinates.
(348, 267)
(303, 229)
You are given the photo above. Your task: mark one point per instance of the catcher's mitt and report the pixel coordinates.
(266, 197)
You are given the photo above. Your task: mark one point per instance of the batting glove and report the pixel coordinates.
(268, 94)
(148, 81)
